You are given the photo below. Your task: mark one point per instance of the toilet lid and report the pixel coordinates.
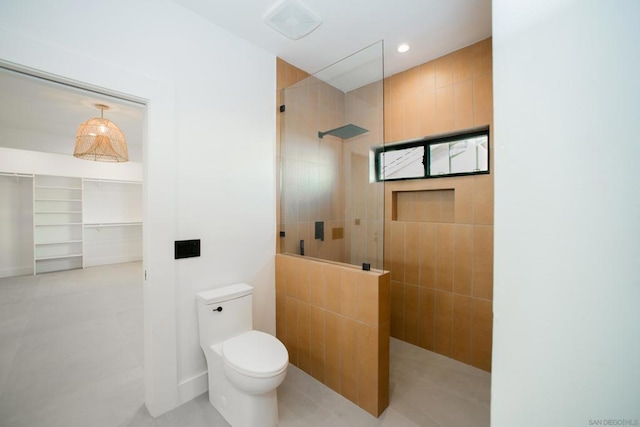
(255, 353)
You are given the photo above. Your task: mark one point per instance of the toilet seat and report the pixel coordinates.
(255, 354)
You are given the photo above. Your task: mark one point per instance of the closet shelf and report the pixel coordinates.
(58, 200)
(111, 181)
(57, 243)
(16, 175)
(58, 224)
(58, 212)
(47, 258)
(48, 187)
(112, 224)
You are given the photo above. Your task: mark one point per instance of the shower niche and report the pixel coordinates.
(331, 122)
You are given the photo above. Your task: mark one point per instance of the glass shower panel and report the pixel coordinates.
(332, 208)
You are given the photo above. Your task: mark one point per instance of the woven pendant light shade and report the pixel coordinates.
(101, 140)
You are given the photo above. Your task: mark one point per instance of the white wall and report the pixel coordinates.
(209, 155)
(37, 140)
(566, 349)
(36, 162)
(16, 225)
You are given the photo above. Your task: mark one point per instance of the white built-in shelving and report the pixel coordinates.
(52, 223)
(57, 223)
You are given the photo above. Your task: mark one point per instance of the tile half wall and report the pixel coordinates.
(334, 320)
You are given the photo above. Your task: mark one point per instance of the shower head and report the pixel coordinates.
(344, 132)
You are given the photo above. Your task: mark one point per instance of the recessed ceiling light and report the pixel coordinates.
(403, 48)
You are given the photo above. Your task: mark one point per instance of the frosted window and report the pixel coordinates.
(399, 164)
(459, 157)
(459, 154)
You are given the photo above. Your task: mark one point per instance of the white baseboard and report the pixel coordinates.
(192, 387)
(16, 271)
(94, 262)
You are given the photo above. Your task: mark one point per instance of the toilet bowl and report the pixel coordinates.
(255, 362)
(244, 366)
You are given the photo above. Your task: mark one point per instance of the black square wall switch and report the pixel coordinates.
(187, 248)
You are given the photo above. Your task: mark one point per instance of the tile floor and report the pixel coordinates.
(71, 355)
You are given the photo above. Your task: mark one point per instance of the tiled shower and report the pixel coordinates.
(439, 232)
(429, 242)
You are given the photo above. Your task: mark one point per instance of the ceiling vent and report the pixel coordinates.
(292, 19)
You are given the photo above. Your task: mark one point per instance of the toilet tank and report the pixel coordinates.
(224, 312)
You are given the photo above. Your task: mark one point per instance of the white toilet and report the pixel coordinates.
(245, 366)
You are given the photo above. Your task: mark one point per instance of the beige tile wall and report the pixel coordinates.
(313, 182)
(364, 228)
(334, 321)
(450, 93)
(328, 179)
(439, 232)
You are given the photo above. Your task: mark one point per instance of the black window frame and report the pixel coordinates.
(426, 143)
